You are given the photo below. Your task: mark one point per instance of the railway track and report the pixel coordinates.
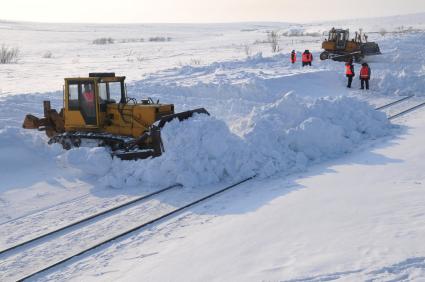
(394, 103)
(33, 212)
(28, 244)
(410, 107)
(89, 218)
(49, 242)
(406, 111)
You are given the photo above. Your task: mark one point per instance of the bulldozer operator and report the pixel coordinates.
(87, 103)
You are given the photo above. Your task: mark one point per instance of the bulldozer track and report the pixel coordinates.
(155, 220)
(86, 219)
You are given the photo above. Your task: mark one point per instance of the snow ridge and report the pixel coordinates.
(282, 137)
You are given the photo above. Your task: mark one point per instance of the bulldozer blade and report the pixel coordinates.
(31, 122)
(181, 116)
(57, 121)
(132, 156)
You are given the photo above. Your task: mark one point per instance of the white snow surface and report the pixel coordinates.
(330, 169)
(285, 136)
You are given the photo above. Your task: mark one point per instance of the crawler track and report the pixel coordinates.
(105, 212)
(126, 232)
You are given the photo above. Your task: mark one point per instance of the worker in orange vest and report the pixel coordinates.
(349, 72)
(365, 76)
(307, 58)
(293, 57)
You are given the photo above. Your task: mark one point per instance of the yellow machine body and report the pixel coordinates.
(350, 47)
(104, 113)
(339, 47)
(97, 108)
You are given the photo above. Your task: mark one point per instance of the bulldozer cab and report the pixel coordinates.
(86, 98)
(97, 112)
(340, 37)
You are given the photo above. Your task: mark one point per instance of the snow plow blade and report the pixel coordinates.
(31, 122)
(181, 116)
(52, 122)
(138, 148)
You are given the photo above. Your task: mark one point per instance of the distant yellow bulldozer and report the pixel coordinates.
(97, 112)
(339, 47)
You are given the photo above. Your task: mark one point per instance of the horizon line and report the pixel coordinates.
(205, 23)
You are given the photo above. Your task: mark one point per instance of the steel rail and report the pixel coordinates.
(155, 220)
(393, 103)
(402, 113)
(78, 198)
(121, 206)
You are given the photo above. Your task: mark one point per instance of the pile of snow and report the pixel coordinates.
(401, 69)
(283, 137)
(14, 140)
(93, 161)
(293, 133)
(198, 151)
(24, 156)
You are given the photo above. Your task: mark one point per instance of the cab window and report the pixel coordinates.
(103, 95)
(110, 91)
(73, 97)
(115, 91)
(81, 97)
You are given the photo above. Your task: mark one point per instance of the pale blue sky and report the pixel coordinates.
(142, 11)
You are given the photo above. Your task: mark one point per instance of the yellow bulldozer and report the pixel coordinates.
(97, 112)
(339, 47)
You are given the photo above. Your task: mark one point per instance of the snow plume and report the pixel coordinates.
(283, 137)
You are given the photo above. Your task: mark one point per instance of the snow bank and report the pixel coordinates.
(401, 69)
(198, 151)
(249, 78)
(282, 137)
(292, 133)
(24, 157)
(93, 161)
(14, 139)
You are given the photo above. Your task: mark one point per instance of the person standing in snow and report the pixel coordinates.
(307, 58)
(349, 72)
(293, 57)
(365, 76)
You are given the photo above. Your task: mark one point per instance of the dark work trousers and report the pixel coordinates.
(350, 80)
(363, 81)
(306, 64)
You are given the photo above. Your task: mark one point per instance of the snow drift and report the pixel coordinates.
(282, 137)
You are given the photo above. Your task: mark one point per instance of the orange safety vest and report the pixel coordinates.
(306, 57)
(348, 69)
(364, 72)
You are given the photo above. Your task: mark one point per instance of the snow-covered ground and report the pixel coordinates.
(339, 190)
